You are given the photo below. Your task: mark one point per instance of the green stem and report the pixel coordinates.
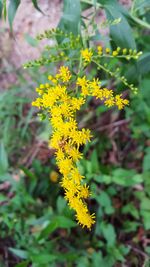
(90, 3)
(132, 7)
(112, 74)
(137, 20)
(141, 22)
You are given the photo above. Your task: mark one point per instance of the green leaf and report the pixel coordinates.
(61, 204)
(117, 254)
(130, 226)
(94, 161)
(51, 227)
(130, 208)
(1, 8)
(23, 254)
(146, 162)
(30, 40)
(22, 264)
(147, 182)
(146, 218)
(5, 9)
(3, 198)
(88, 166)
(3, 159)
(145, 203)
(29, 173)
(12, 9)
(36, 6)
(68, 256)
(144, 63)
(104, 200)
(43, 258)
(141, 4)
(147, 249)
(83, 262)
(108, 232)
(142, 67)
(121, 33)
(106, 179)
(97, 259)
(64, 222)
(71, 18)
(126, 178)
(59, 221)
(137, 178)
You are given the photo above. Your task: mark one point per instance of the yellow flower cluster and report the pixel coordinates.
(107, 96)
(57, 98)
(87, 54)
(126, 53)
(66, 140)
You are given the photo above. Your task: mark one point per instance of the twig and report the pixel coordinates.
(140, 252)
(111, 125)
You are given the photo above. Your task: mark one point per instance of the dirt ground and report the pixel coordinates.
(29, 21)
(14, 49)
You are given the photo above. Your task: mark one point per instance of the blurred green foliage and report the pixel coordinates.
(36, 225)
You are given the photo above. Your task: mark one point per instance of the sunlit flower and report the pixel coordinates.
(87, 55)
(66, 138)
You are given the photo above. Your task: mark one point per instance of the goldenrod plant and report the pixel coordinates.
(97, 127)
(62, 97)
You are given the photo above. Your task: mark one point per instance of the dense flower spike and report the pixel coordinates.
(56, 98)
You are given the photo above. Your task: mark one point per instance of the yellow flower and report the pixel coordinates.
(87, 55)
(65, 166)
(95, 84)
(59, 154)
(107, 50)
(42, 86)
(37, 103)
(55, 140)
(76, 103)
(107, 93)
(40, 90)
(76, 176)
(84, 191)
(54, 176)
(66, 110)
(72, 152)
(64, 74)
(109, 102)
(66, 138)
(84, 218)
(52, 79)
(83, 82)
(48, 99)
(100, 50)
(124, 51)
(115, 53)
(85, 135)
(80, 137)
(120, 103)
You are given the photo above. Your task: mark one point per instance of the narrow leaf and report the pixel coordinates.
(23, 254)
(12, 9)
(36, 6)
(71, 18)
(1, 8)
(121, 33)
(3, 159)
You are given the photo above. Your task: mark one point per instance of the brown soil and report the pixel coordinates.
(14, 48)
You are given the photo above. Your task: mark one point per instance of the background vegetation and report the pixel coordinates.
(37, 228)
